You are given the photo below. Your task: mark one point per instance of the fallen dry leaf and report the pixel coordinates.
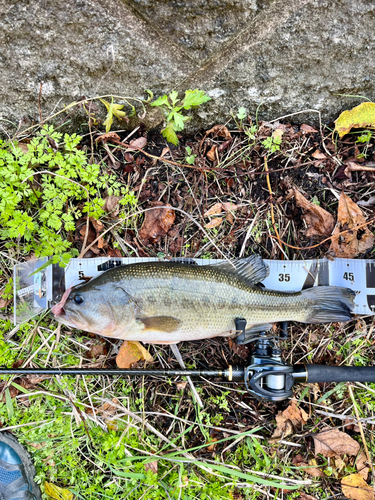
(181, 386)
(98, 225)
(23, 146)
(108, 137)
(213, 445)
(355, 241)
(361, 116)
(4, 302)
(332, 442)
(313, 469)
(229, 218)
(305, 496)
(131, 352)
(214, 223)
(319, 221)
(152, 466)
(139, 143)
(107, 409)
(229, 206)
(112, 205)
(307, 129)
(278, 133)
(211, 155)
(318, 155)
(352, 166)
(361, 464)
(220, 130)
(214, 210)
(97, 350)
(157, 222)
(289, 419)
(356, 488)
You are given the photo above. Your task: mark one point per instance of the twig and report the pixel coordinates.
(271, 196)
(120, 221)
(159, 158)
(326, 239)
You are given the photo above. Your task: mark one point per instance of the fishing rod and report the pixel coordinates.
(266, 378)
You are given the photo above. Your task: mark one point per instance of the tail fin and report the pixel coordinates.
(329, 304)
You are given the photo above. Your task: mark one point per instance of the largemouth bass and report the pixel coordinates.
(169, 302)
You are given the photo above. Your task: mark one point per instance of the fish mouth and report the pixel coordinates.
(60, 312)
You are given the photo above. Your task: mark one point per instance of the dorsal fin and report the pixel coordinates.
(252, 268)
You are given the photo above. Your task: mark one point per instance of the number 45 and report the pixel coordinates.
(348, 276)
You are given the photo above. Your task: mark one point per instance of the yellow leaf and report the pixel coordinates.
(359, 117)
(113, 110)
(356, 488)
(57, 493)
(131, 352)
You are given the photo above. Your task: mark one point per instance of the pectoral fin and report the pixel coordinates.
(160, 324)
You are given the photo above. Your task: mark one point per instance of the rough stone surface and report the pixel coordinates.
(288, 56)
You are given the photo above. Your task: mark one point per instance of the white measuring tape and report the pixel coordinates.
(34, 294)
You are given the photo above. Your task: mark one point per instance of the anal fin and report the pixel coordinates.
(251, 332)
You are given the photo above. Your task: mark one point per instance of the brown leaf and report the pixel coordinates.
(111, 205)
(319, 155)
(220, 130)
(356, 241)
(229, 218)
(332, 442)
(212, 445)
(97, 350)
(152, 466)
(352, 166)
(108, 137)
(180, 386)
(229, 206)
(91, 234)
(4, 302)
(305, 496)
(307, 129)
(361, 464)
(214, 210)
(214, 223)
(313, 471)
(278, 133)
(356, 488)
(319, 221)
(131, 352)
(114, 252)
(107, 409)
(157, 222)
(211, 155)
(98, 225)
(292, 417)
(139, 143)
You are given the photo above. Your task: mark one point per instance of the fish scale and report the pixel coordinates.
(165, 302)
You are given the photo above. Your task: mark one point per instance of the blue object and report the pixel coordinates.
(16, 471)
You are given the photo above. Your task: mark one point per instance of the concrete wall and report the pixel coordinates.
(289, 55)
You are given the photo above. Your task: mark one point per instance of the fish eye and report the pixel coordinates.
(78, 299)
